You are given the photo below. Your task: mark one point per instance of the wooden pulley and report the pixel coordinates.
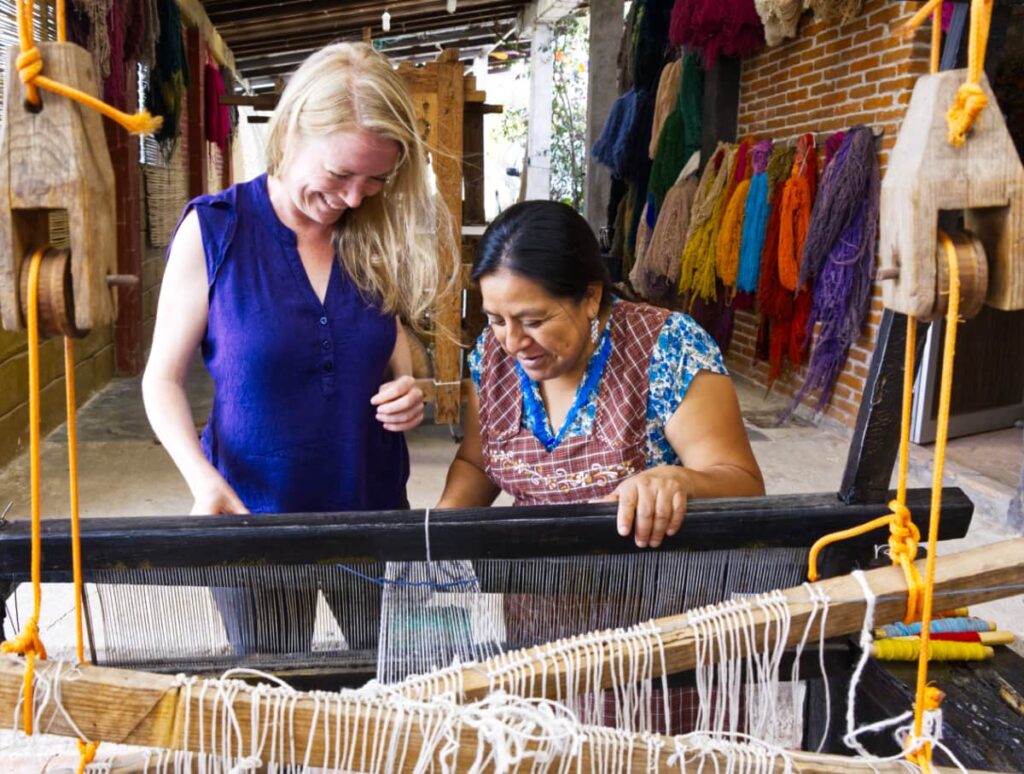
(926, 175)
(56, 300)
(55, 157)
(972, 266)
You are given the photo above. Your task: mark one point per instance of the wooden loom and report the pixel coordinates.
(154, 711)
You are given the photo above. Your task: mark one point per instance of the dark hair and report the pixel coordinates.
(547, 242)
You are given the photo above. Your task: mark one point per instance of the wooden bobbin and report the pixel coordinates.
(55, 158)
(56, 299)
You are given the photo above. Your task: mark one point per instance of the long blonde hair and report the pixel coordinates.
(390, 244)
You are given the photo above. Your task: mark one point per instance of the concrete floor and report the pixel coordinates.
(125, 472)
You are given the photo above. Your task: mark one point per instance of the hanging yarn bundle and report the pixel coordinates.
(150, 33)
(775, 301)
(169, 77)
(665, 100)
(717, 28)
(794, 220)
(839, 253)
(795, 216)
(649, 37)
(730, 233)
(660, 277)
(780, 19)
(834, 11)
(755, 219)
(610, 147)
(114, 85)
(697, 273)
(680, 135)
(218, 119)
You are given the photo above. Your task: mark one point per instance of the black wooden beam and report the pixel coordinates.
(876, 439)
(479, 533)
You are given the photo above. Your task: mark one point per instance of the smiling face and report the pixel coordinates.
(547, 335)
(323, 176)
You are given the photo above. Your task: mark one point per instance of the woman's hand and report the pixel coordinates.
(399, 404)
(214, 496)
(652, 504)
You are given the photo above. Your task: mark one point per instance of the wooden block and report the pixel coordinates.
(57, 159)
(926, 174)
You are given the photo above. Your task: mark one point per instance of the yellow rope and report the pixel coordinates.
(76, 544)
(970, 98)
(942, 432)
(30, 68)
(27, 643)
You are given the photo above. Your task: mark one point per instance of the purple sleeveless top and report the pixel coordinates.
(292, 428)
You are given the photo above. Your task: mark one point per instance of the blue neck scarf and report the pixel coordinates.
(533, 407)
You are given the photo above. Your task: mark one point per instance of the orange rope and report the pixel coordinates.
(30, 68)
(923, 756)
(76, 546)
(970, 98)
(27, 643)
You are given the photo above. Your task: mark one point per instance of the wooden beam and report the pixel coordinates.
(194, 12)
(152, 711)
(469, 533)
(258, 101)
(875, 442)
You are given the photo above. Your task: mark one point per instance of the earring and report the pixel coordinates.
(593, 330)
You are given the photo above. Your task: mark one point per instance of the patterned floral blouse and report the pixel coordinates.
(683, 350)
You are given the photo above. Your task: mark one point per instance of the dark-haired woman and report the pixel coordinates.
(581, 396)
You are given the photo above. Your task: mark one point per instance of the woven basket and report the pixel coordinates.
(166, 196)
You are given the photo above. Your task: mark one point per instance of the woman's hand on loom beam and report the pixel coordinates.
(214, 496)
(399, 404)
(652, 504)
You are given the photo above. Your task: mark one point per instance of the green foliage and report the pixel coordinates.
(569, 109)
(570, 46)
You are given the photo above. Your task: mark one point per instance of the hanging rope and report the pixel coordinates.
(970, 98)
(30, 68)
(904, 536)
(27, 643)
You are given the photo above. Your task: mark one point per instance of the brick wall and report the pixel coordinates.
(829, 78)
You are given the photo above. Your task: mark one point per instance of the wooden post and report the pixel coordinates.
(195, 53)
(448, 136)
(542, 84)
(721, 105)
(875, 442)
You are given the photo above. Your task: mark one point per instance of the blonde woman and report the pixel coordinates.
(293, 284)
